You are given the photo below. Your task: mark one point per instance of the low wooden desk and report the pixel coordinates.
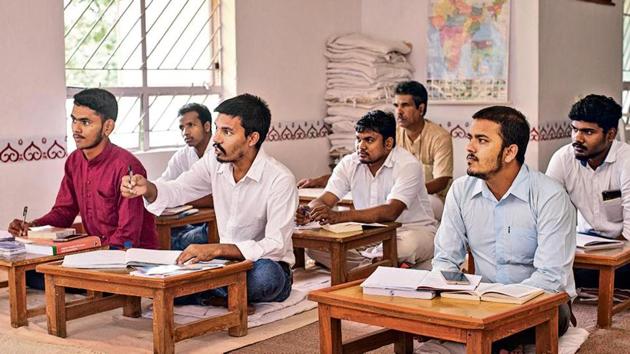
(16, 267)
(338, 245)
(308, 194)
(606, 261)
(163, 291)
(477, 324)
(166, 223)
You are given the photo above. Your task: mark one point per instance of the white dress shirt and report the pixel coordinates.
(609, 218)
(401, 178)
(256, 214)
(181, 161)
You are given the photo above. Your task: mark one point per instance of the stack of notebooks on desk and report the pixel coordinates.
(181, 211)
(591, 243)
(11, 248)
(60, 246)
(412, 283)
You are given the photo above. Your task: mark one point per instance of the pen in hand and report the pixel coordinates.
(23, 232)
(130, 171)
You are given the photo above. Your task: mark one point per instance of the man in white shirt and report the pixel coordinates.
(255, 198)
(387, 184)
(595, 171)
(195, 123)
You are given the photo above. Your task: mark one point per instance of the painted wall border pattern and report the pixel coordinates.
(32, 149)
(50, 148)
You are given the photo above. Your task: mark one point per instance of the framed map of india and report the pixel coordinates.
(468, 51)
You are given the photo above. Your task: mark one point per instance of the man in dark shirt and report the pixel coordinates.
(90, 186)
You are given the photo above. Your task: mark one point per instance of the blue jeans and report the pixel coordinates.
(182, 237)
(267, 281)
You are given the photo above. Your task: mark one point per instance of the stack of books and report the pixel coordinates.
(11, 248)
(60, 246)
(413, 283)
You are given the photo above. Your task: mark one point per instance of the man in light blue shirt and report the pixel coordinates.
(518, 223)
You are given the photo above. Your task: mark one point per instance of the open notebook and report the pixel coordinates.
(120, 259)
(495, 292)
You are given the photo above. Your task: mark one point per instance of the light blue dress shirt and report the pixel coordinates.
(526, 237)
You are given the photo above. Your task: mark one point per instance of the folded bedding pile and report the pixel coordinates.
(361, 75)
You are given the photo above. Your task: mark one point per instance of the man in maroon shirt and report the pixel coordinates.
(91, 183)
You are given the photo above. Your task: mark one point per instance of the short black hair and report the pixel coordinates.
(514, 127)
(252, 110)
(378, 122)
(602, 110)
(416, 90)
(101, 101)
(202, 112)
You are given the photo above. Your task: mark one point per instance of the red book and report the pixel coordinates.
(50, 247)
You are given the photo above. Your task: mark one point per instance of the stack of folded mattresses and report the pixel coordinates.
(361, 75)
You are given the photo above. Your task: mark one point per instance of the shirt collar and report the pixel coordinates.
(103, 156)
(255, 170)
(519, 187)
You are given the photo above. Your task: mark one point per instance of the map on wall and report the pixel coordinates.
(467, 51)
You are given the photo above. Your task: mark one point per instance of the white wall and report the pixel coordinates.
(279, 49)
(407, 20)
(580, 53)
(32, 97)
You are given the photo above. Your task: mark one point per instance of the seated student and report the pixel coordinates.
(595, 170)
(195, 122)
(254, 200)
(90, 185)
(387, 184)
(431, 144)
(518, 223)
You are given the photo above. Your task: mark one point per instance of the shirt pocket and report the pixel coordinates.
(613, 210)
(107, 209)
(523, 243)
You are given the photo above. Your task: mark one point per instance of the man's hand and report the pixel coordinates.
(18, 228)
(318, 182)
(132, 187)
(325, 215)
(198, 252)
(302, 215)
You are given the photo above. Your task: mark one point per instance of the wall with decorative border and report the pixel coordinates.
(42, 148)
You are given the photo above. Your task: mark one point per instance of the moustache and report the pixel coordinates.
(578, 145)
(472, 157)
(218, 146)
(77, 136)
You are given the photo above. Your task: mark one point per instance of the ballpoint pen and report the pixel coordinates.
(130, 171)
(24, 221)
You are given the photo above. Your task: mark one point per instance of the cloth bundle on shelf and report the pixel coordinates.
(360, 76)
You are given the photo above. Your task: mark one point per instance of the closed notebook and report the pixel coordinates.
(414, 294)
(50, 232)
(50, 247)
(496, 292)
(590, 243)
(175, 210)
(343, 227)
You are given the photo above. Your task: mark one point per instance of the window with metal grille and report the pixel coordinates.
(154, 55)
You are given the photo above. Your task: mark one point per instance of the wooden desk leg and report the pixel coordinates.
(299, 257)
(605, 301)
(338, 273)
(164, 237)
(477, 342)
(55, 307)
(404, 343)
(17, 297)
(213, 232)
(329, 331)
(547, 335)
(237, 302)
(389, 249)
(163, 322)
(132, 307)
